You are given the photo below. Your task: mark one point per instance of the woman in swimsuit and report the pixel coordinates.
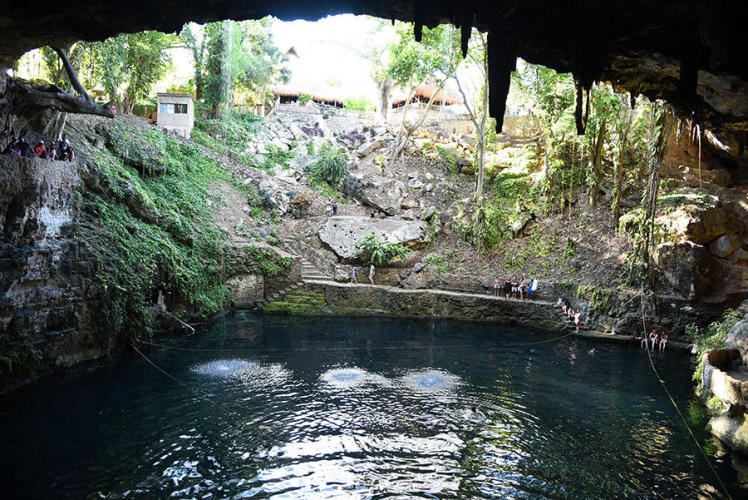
(663, 341)
(653, 337)
(508, 288)
(577, 320)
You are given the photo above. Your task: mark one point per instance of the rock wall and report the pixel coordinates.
(45, 321)
(339, 298)
(724, 383)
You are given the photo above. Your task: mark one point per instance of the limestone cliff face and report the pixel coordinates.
(45, 320)
(724, 377)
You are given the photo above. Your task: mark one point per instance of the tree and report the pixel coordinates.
(257, 61)
(219, 78)
(194, 39)
(624, 126)
(411, 64)
(478, 111)
(129, 65)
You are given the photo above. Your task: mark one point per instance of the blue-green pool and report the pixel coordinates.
(295, 407)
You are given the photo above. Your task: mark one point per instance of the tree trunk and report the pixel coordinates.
(262, 98)
(596, 158)
(619, 167)
(21, 103)
(409, 130)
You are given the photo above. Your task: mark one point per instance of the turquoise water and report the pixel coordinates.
(290, 407)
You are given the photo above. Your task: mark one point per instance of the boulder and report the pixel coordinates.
(300, 162)
(414, 281)
(245, 290)
(737, 338)
(342, 233)
(415, 184)
(740, 256)
(380, 192)
(409, 203)
(429, 176)
(429, 187)
(697, 217)
(689, 268)
(371, 146)
(412, 175)
(725, 245)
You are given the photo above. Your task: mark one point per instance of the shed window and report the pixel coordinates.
(180, 108)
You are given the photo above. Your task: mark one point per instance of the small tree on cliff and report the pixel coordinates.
(129, 65)
(475, 54)
(412, 64)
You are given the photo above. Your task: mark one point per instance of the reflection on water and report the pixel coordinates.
(224, 367)
(431, 381)
(304, 408)
(348, 378)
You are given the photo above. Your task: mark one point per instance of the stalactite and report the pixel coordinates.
(465, 31)
(418, 9)
(418, 31)
(502, 60)
(689, 72)
(578, 106)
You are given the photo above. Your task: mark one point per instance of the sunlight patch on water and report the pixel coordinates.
(430, 381)
(223, 367)
(246, 371)
(344, 378)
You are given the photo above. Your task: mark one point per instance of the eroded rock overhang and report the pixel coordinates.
(688, 52)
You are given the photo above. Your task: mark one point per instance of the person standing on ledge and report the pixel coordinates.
(371, 273)
(334, 208)
(353, 274)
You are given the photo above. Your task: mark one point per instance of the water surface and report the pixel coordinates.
(289, 407)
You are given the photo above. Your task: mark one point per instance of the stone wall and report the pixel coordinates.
(340, 298)
(45, 321)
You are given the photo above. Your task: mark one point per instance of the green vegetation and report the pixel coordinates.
(127, 66)
(373, 249)
(332, 167)
(158, 233)
(448, 159)
(19, 358)
(361, 103)
(449, 262)
(713, 336)
(304, 98)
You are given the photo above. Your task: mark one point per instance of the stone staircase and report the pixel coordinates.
(569, 325)
(309, 272)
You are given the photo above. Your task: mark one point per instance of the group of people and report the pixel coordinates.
(573, 317)
(58, 150)
(515, 288)
(331, 209)
(657, 339)
(354, 273)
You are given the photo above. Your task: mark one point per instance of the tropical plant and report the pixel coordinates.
(372, 249)
(332, 166)
(304, 98)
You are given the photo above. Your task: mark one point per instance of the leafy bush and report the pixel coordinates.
(713, 336)
(361, 103)
(310, 148)
(332, 167)
(372, 249)
(304, 98)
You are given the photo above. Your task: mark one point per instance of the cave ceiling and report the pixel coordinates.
(691, 53)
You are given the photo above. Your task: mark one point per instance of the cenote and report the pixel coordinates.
(302, 407)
